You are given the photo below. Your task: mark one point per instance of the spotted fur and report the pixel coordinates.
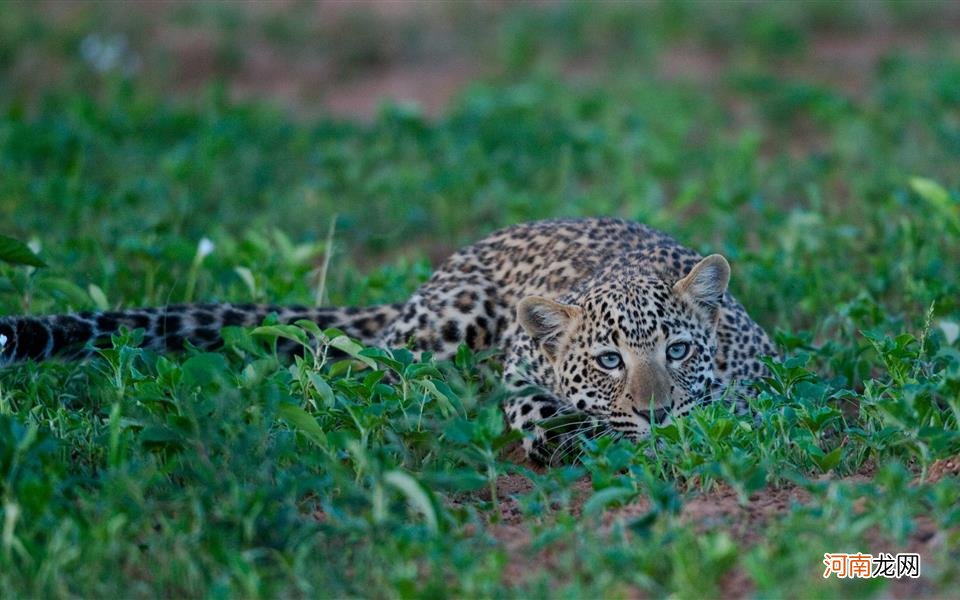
(170, 327)
(561, 298)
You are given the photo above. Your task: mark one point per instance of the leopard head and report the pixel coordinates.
(634, 349)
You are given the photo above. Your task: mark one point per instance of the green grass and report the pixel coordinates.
(239, 473)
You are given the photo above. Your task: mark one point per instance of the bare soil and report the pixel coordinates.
(841, 62)
(346, 59)
(716, 509)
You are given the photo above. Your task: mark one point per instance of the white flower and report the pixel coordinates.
(951, 331)
(109, 53)
(204, 248)
(3, 341)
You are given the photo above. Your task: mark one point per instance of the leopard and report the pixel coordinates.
(604, 324)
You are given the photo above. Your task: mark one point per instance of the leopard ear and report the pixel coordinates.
(545, 321)
(705, 284)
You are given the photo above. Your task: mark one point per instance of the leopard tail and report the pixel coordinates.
(74, 336)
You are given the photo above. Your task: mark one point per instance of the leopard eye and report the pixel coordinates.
(678, 350)
(610, 360)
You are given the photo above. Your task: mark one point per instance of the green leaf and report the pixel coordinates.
(98, 297)
(642, 524)
(302, 421)
(938, 198)
(156, 437)
(310, 326)
(464, 480)
(72, 293)
(418, 496)
(430, 389)
(350, 347)
(322, 387)
(829, 460)
(18, 253)
(204, 369)
(418, 370)
(289, 332)
(606, 497)
(930, 190)
(384, 358)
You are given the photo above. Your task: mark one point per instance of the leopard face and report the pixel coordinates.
(636, 349)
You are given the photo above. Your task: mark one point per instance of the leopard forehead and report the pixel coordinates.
(637, 312)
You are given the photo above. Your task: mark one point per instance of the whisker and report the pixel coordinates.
(566, 424)
(571, 432)
(573, 437)
(565, 444)
(607, 430)
(556, 457)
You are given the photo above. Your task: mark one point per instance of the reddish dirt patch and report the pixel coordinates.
(431, 88)
(717, 509)
(348, 58)
(945, 467)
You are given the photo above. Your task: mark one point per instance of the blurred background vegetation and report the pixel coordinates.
(738, 127)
